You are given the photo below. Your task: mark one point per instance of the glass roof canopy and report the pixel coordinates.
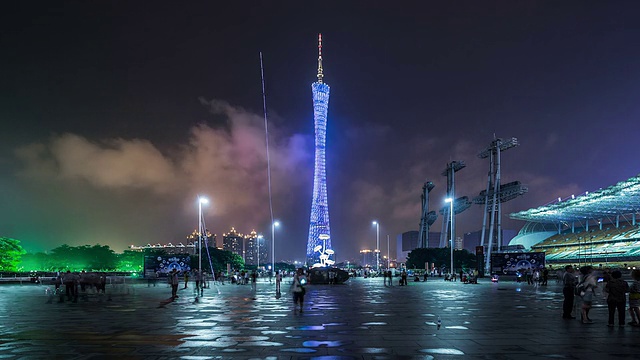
(620, 199)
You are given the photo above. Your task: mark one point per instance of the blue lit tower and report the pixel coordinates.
(319, 231)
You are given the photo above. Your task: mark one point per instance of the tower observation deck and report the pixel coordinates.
(319, 231)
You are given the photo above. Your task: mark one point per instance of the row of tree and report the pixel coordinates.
(97, 258)
(441, 257)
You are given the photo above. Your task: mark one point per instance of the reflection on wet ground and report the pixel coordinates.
(360, 318)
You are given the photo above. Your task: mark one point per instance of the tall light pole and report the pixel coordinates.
(201, 200)
(377, 224)
(273, 244)
(388, 253)
(450, 201)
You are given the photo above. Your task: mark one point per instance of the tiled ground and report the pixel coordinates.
(361, 319)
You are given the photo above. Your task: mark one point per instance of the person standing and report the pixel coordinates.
(568, 291)
(174, 281)
(298, 289)
(617, 299)
(69, 281)
(197, 277)
(587, 290)
(545, 276)
(186, 279)
(634, 298)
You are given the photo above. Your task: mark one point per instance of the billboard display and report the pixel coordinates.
(512, 263)
(165, 264)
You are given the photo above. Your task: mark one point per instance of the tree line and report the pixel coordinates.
(97, 258)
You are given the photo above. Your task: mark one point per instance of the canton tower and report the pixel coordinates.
(319, 242)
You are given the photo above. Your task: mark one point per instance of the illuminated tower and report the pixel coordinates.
(319, 232)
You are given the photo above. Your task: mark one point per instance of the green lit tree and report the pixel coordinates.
(37, 262)
(86, 257)
(130, 261)
(11, 253)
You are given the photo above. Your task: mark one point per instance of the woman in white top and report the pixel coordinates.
(587, 287)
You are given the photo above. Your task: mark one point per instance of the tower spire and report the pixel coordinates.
(320, 74)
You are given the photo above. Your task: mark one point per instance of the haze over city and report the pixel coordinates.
(116, 116)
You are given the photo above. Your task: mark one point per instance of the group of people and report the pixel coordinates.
(583, 288)
(534, 276)
(75, 283)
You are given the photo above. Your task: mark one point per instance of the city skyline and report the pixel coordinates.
(116, 118)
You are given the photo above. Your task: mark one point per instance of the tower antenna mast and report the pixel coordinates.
(320, 74)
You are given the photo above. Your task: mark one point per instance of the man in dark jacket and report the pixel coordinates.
(568, 291)
(617, 299)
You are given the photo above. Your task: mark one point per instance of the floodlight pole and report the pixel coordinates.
(377, 251)
(201, 200)
(273, 244)
(450, 201)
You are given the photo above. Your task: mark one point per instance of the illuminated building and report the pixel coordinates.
(234, 242)
(319, 230)
(255, 249)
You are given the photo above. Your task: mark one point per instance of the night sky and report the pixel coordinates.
(114, 116)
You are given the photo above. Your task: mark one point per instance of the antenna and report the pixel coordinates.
(320, 74)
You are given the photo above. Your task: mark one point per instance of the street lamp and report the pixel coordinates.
(388, 253)
(450, 201)
(201, 200)
(377, 224)
(273, 244)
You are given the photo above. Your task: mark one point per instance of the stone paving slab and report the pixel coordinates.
(361, 319)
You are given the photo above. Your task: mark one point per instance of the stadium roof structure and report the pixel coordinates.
(620, 199)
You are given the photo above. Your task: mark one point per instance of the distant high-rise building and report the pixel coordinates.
(234, 242)
(255, 249)
(193, 239)
(319, 231)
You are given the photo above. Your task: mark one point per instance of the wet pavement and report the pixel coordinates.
(361, 319)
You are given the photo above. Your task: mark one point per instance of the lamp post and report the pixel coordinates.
(377, 224)
(388, 253)
(201, 200)
(450, 201)
(273, 244)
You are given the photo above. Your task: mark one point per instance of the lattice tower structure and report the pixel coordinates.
(319, 229)
(495, 194)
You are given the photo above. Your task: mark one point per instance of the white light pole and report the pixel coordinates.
(201, 200)
(273, 244)
(377, 224)
(450, 201)
(388, 253)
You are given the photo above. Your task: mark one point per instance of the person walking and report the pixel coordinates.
(254, 281)
(617, 299)
(278, 281)
(568, 291)
(298, 289)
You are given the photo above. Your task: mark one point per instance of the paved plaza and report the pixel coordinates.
(361, 319)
